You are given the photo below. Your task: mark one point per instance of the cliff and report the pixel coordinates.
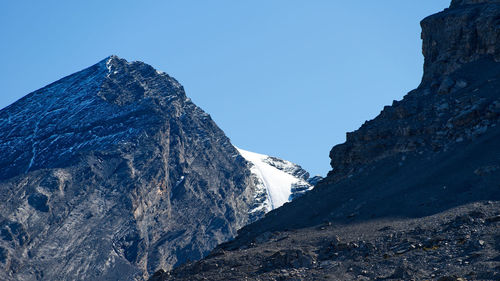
(456, 100)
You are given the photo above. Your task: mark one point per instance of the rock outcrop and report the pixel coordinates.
(456, 100)
(112, 173)
(458, 3)
(467, 32)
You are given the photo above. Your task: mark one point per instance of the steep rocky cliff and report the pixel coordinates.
(466, 32)
(112, 173)
(456, 100)
(413, 194)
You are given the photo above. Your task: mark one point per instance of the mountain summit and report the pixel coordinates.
(112, 173)
(457, 3)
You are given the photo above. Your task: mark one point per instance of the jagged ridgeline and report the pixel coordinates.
(112, 173)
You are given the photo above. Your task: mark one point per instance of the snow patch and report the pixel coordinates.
(276, 183)
(179, 182)
(108, 66)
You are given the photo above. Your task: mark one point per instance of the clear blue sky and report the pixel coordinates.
(281, 77)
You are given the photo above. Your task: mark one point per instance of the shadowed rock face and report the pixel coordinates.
(467, 32)
(457, 3)
(111, 173)
(461, 46)
(413, 193)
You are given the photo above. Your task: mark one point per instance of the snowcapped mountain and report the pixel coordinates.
(278, 181)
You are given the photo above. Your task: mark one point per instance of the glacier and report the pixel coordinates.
(278, 181)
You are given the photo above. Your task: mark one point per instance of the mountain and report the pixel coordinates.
(278, 181)
(412, 195)
(112, 173)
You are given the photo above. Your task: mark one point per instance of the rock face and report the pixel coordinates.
(112, 173)
(457, 3)
(456, 100)
(466, 32)
(413, 193)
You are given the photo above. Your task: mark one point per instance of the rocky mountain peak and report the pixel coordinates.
(457, 3)
(111, 173)
(129, 82)
(467, 32)
(49, 126)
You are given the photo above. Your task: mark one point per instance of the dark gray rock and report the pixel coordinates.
(315, 180)
(458, 3)
(38, 201)
(466, 32)
(287, 259)
(460, 82)
(288, 167)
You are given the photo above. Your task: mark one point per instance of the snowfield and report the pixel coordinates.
(275, 177)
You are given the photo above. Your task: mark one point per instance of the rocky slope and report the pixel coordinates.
(112, 173)
(413, 194)
(443, 247)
